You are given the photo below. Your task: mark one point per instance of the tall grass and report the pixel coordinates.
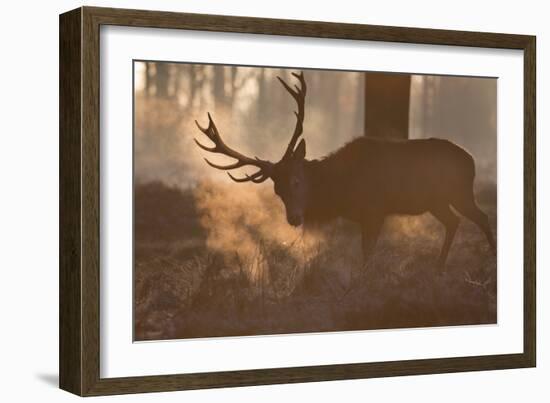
(185, 288)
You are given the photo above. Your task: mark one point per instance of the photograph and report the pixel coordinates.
(247, 200)
(283, 200)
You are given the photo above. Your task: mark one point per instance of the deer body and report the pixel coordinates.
(380, 177)
(367, 180)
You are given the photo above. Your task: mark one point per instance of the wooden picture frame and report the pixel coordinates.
(79, 347)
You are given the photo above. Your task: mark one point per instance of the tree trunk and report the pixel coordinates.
(219, 87)
(262, 98)
(161, 79)
(387, 101)
(176, 82)
(359, 103)
(148, 74)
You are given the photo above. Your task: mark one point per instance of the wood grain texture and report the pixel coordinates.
(90, 201)
(70, 314)
(315, 29)
(304, 374)
(80, 200)
(530, 200)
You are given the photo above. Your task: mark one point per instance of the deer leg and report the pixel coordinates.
(450, 220)
(470, 209)
(369, 236)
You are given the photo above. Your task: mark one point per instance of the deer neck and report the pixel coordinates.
(321, 205)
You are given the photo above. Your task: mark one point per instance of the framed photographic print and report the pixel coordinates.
(249, 201)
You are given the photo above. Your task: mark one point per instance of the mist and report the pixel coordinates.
(217, 258)
(254, 114)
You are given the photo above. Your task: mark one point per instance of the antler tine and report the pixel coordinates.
(206, 148)
(299, 95)
(235, 165)
(211, 131)
(257, 177)
(221, 148)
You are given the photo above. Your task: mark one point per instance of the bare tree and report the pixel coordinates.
(262, 95)
(148, 82)
(220, 98)
(162, 79)
(387, 101)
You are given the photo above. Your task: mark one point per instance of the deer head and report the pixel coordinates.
(287, 175)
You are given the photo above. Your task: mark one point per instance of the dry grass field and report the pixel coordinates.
(214, 258)
(213, 261)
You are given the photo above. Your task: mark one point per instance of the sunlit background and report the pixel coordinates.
(217, 258)
(254, 114)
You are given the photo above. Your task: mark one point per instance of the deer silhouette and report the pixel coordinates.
(366, 180)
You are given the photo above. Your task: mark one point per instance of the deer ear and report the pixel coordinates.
(300, 152)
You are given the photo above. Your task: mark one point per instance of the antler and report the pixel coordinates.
(221, 148)
(299, 95)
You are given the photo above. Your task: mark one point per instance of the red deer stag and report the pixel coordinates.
(365, 180)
